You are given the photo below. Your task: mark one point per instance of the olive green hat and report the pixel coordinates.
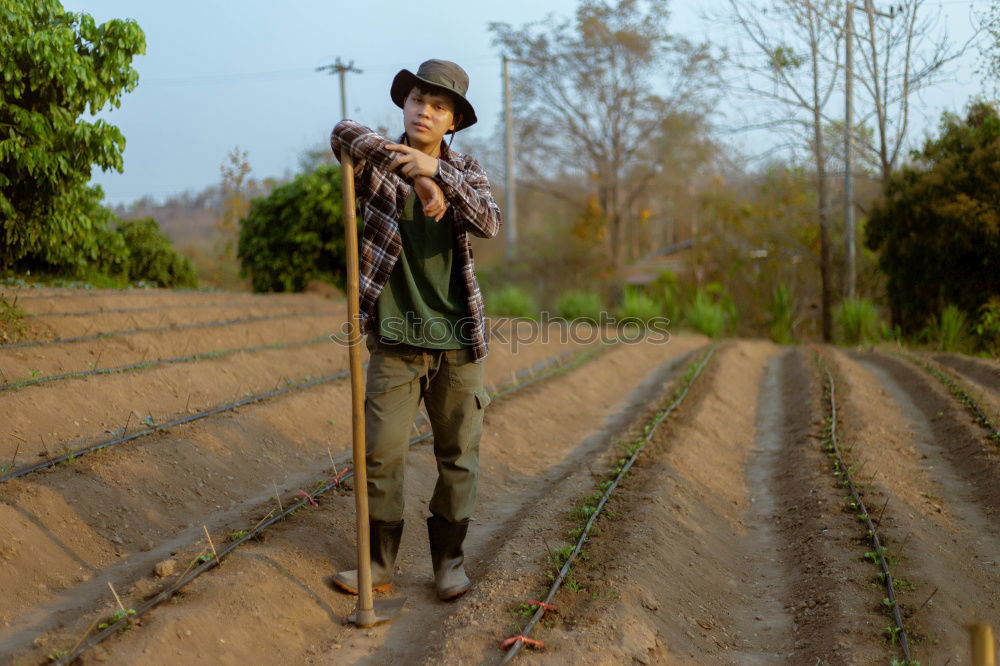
(440, 74)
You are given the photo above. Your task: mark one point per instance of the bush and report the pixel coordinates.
(666, 291)
(511, 301)
(150, 256)
(857, 322)
(296, 234)
(781, 313)
(579, 303)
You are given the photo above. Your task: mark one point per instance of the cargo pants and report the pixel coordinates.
(451, 386)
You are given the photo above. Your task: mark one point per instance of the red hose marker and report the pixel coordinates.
(303, 493)
(530, 642)
(541, 604)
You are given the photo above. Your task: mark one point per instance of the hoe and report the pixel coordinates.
(368, 611)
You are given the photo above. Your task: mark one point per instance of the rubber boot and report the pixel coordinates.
(383, 545)
(447, 557)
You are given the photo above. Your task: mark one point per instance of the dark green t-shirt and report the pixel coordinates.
(424, 302)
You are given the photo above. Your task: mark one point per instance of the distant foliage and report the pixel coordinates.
(938, 229)
(296, 234)
(151, 258)
(580, 303)
(55, 66)
(512, 301)
(948, 331)
(857, 322)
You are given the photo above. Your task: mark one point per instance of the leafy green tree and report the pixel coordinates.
(295, 234)
(151, 257)
(55, 65)
(938, 227)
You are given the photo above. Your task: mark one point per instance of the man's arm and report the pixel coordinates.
(364, 145)
(469, 194)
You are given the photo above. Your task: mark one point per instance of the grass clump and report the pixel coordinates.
(13, 326)
(781, 315)
(511, 301)
(580, 304)
(638, 306)
(711, 312)
(857, 321)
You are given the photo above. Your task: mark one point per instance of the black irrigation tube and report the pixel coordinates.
(887, 579)
(142, 365)
(128, 437)
(171, 327)
(959, 392)
(650, 428)
(546, 371)
(152, 308)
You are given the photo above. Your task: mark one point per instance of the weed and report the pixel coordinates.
(12, 321)
(638, 306)
(511, 301)
(706, 316)
(35, 374)
(116, 617)
(236, 535)
(781, 313)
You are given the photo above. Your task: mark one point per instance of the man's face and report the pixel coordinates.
(428, 116)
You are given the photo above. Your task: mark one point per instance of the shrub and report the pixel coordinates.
(151, 257)
(857, 321)
(296, 234)
(511, 301)
(578, 303)
(781, 313)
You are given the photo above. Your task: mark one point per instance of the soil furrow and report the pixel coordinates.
(925, 462)
(304, 550)
(132, 499)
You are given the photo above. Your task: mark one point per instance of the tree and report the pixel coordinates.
(938, 228)
(295, 234)
(55, 66)
(991, 46)
(592, 103)
(151, 257)
(792, 42)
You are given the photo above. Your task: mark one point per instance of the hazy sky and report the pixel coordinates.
(217, 75)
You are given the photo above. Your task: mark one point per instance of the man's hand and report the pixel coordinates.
(431, 197)
(412, 162)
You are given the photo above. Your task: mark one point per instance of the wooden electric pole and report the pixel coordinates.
(510, 197)
(341, 70)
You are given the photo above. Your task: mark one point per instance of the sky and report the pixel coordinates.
(220, 75)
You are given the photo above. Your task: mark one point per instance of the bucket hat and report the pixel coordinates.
(439, 74)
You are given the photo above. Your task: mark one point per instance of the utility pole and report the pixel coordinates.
(850, 278)
(510, 199)
(341, 70)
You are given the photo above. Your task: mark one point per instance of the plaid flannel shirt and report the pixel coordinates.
(382, 194)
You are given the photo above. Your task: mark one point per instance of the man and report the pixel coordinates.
(423, 312)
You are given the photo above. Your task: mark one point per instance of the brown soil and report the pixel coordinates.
(728, 543)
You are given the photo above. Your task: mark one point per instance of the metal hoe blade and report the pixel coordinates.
(383, 611)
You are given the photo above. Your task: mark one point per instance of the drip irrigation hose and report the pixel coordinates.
(695, 368)
(959, 392)
(171, 327)
(142, 365)
(541, 370)
(153, 308)
(887, 580)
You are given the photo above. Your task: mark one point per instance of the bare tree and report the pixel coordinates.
(788, 67)
(900, 56)
(596, 96)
